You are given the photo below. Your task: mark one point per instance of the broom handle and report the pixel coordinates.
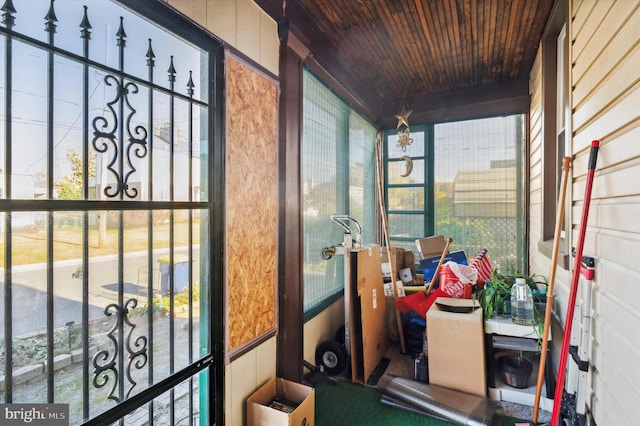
(437, 271)
(557, 398)
(552, 278)
(385, 228)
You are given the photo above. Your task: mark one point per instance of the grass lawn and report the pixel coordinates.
(30, 244)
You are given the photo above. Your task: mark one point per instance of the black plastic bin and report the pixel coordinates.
(180, 273)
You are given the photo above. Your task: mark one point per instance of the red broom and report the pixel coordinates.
(557, 398)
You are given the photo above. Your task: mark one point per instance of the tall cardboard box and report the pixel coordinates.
(260, 409)
(368, 328)
(455, 339)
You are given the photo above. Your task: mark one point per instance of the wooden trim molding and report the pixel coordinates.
(289, 353)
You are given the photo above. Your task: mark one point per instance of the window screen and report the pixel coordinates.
(338, 177)
(478, 196)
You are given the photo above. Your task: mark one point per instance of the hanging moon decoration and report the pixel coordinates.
(408, 164)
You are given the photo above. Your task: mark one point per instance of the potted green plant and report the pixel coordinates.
(495, 297)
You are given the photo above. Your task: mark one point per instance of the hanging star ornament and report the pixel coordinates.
(403, 117)
(404, 139)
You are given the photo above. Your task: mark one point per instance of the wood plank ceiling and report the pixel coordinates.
(392, 51)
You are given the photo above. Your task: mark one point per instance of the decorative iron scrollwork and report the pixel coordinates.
(138, 351)
(105, 362)
(105, 137)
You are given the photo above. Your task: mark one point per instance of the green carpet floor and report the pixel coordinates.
(350, 404)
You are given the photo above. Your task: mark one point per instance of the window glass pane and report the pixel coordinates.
(406, 198)
(159, 327)
(405, 225)
(103, 304)
(181, 149)
(362, 189)
(199, 154)
(184, 404)
(161, 148)
(29, 123)
(415, 149)
(68, 144)
(321, 191)
(104, 17)
(405, 172)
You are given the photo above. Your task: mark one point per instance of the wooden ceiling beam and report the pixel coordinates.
(507, 97)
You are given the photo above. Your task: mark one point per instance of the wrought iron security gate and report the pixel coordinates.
(109, 300)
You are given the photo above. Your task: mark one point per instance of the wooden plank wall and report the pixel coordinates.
(251, 204)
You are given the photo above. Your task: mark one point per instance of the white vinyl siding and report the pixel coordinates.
(535, 157)
(605, 100)
(606, 104)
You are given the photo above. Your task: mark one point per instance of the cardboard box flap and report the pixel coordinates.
(264, 395)
(460, 306)
(431, 246)
(291, 391)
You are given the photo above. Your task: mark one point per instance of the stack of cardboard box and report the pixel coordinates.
(454, 329)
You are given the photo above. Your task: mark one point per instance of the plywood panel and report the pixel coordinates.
(251, 203)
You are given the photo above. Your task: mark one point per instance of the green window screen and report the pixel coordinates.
(337, 178)
(362, 176)
(479, 188)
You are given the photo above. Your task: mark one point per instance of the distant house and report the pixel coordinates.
(485, 193)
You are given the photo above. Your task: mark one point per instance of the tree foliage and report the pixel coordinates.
(69, 186)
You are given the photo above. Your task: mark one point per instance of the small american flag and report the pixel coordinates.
(483, 266)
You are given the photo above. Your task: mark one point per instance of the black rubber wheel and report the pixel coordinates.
(331, 357)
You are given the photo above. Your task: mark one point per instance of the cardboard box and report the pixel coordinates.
(409, 262)
(431, 246)
(397, 261)
(260, 413)
(368, 328)
(455, 339)
(430, 264)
